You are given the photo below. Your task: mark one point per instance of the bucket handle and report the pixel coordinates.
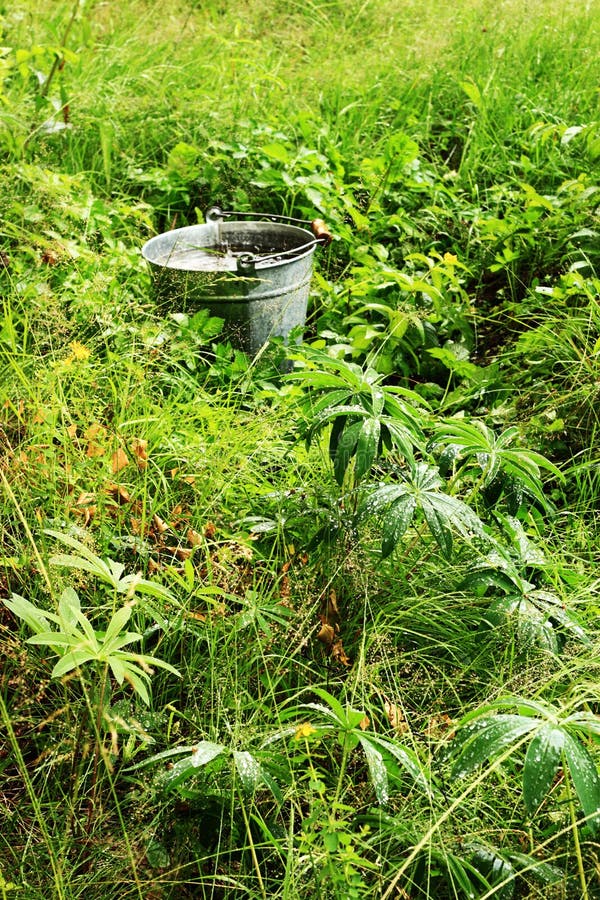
(247, 261)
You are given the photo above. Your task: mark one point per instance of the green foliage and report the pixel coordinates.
(329, 626)
(77, 643)
(555, 740)
(75, 640)
(366, 415)
(421, 490)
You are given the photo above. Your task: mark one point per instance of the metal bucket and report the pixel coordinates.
(255, 275)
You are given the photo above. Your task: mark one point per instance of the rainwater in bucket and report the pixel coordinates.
(255, 275)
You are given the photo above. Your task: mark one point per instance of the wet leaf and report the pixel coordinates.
(377, 770)
(586, 780)
(248, 769)
(542, 762)
(204, 752)
(486, 739)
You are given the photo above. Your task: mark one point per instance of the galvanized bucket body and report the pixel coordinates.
(233, 270)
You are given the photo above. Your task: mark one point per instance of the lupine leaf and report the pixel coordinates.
(377, 770)
(397, 522)
(71, 661)
(248, 768)
(407, 759)
(542, 761)
(586, 780)
(366, 446)
(345, 450)
(30, 614)
(490, 737)
(204, 752)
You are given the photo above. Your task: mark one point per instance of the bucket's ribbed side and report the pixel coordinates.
(251, 321)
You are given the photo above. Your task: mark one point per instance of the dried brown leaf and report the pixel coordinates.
(194, 538)
(93, 450)
(326, 635)
(396, 717)
(119, 460)
(160, 525)
(139, 450)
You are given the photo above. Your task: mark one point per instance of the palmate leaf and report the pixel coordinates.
(422, 489)
(552, 746)
(542, 762)
(505, 469)
(377, 770)
(396, 522)
(586, 780)
(487, 738)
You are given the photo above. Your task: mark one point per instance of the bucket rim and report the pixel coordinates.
(259, 225)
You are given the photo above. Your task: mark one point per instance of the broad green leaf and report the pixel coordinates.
(181, 771)
(277, 151)
(367, 446)
(384, 496)
(56, 639)
(330, 400)
(345, 450)
(438, 525)
(116, 625)
(586, 780)
(133, 584)
(143, 659)
(138, 681)
(71, 661)
(68, 608)
(118, 669)
(248, 769)
(94, 563)
(403, 438)
(335, 707)
(337, 429)
(397, 522)
(496, 870)
(377, 400)
(116, 569)
(587, 723)
(88, 630)
(542, 761)
(164, 754)
(83, 565)
(542, 871)
(487, 738)
(204, 752)
(35, 618)
(407, 759)
(377, 770)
